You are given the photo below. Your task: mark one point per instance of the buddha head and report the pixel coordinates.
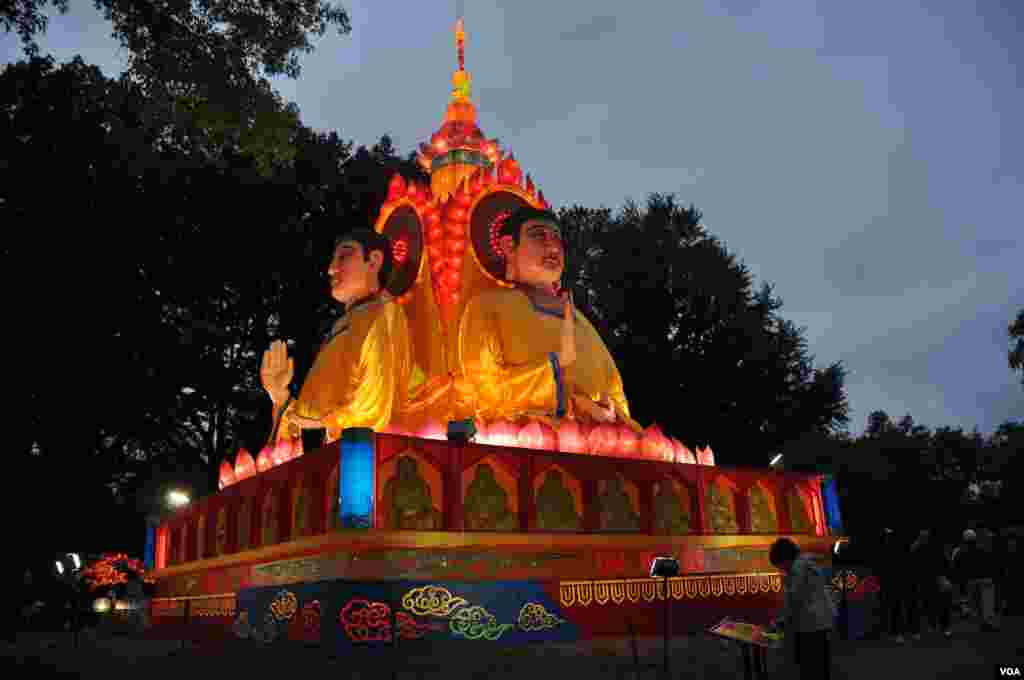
(530, 241)
(361, 265)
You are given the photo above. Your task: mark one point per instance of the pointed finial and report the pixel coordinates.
(460, 42)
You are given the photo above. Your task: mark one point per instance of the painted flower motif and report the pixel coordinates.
(284, 606)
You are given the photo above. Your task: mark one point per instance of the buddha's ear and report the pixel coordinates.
(376, 260)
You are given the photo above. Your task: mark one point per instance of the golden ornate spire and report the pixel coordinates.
(458, 149)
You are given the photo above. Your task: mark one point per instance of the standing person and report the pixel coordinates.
(975, 569)
(1011, 569)
(891, 568)
(808, 612)
(933, 588)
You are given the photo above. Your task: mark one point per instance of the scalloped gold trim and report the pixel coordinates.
(619, 591)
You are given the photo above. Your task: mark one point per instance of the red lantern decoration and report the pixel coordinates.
(297, 449)
(245, 467)
(682, 454)
(571, 438)
(530, 436)
(503, 433)
(603, 440)
(280, 453)
(629, 442)
(706, 456)
(653, 447)
(227, 475)
(264, 461)
(538, 436)
(433, 429)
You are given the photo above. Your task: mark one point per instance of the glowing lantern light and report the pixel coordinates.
(101, 605)
(706, 456)
(538, 436)
(603, 439)
(503, 433)
(357, 479)
(629, 442)
(227, 475)
(571, 438)
(433, 429)
(245, 467)
(481, 436)
(264, 460)
(281, 452)
(298, 450)
(530, 436)
(682, 453)
(653, 447)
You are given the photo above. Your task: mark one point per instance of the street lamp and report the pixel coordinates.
(177, 499)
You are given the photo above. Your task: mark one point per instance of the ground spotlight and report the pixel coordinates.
(177, 499)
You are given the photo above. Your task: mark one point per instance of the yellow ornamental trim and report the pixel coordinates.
(634, 591)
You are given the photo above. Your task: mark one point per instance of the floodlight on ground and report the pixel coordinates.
(776, 460)
(664, 567)
(177, 499)
(60, 568)
(101, 605)
(76, 559)
(461, 431)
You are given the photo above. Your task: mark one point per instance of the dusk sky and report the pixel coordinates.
(859, 156)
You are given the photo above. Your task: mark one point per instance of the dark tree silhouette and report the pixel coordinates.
(702, 354)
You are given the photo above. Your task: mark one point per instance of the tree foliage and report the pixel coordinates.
(203, 65)
(1016, 353)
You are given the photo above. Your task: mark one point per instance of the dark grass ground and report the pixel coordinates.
(969, 654)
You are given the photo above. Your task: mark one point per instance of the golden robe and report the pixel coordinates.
(360, 377)
(508, 365)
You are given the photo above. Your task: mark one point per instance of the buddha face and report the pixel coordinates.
(353, 275)
(539, 258)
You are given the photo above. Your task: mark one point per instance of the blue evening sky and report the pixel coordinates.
(860, 156)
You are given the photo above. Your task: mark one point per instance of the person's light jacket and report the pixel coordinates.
(807, 605)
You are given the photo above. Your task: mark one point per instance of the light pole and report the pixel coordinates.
(665, 568)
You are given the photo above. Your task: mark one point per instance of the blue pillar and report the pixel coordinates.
(357, 480)
(149, 559)
(831, 496)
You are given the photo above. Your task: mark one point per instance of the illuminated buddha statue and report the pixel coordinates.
(361, 372)
(556, 510)
(486, 505)
(525, 351)
(617, 511)
(670, 514)
(409, 500)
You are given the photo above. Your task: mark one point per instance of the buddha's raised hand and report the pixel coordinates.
(276, 371)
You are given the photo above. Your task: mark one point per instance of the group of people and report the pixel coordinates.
(920, 583)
